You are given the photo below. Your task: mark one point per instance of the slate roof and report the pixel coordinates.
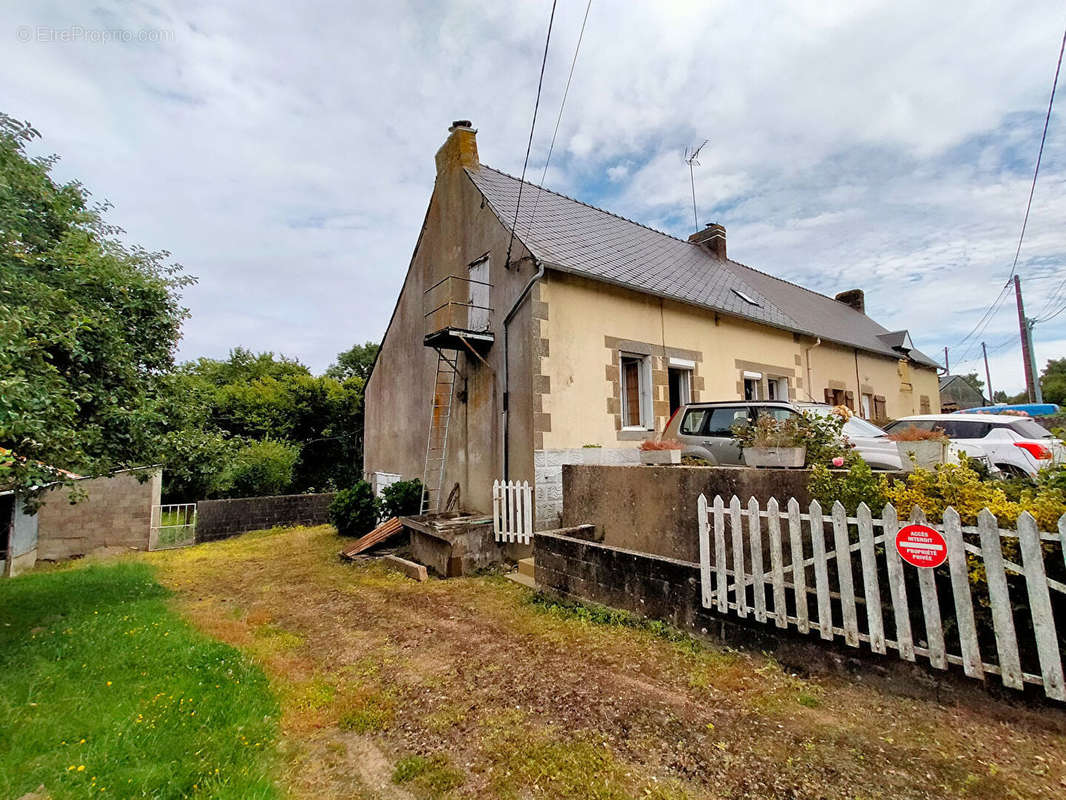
(571, 236)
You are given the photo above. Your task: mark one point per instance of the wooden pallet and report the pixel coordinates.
(382, 532)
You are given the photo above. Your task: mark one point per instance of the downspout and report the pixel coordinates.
(807, 358)
(506, 362)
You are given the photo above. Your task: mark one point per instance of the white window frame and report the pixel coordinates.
(866, 403)
(756, 380)
(643, 391)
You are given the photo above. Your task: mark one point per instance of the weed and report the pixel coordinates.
(434, 774)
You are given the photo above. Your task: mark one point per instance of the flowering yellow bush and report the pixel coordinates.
(959, 486)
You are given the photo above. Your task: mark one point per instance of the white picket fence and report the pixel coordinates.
(734, 579)
(512, 511)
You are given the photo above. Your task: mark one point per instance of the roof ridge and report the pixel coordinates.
(587, 205)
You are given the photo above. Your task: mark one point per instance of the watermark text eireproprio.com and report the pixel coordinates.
(79, 33)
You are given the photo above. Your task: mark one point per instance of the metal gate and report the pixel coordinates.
(172, 526)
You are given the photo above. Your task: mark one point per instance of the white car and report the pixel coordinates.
(876, 449)
(1014, 445)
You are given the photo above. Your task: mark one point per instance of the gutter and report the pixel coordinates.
(506, 370)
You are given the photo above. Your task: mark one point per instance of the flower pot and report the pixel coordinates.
(660, 457)
(775, 456)
(592, 456)
(925, 453)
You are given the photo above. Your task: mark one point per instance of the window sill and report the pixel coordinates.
(634, 434)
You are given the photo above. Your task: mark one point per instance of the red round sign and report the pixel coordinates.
(921, 546)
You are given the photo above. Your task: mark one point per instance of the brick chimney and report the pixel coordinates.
(854, 298)
(459, 149)
(711, 238)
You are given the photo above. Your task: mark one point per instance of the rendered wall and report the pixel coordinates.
(114, 516)
(219, 519)
(587, 322)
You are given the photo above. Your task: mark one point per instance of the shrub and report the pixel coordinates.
(401, 499)
(824, 435)
(260, 469)
(355, 511)
(858, 485)
(768, 431)
(914, 434)
(662, 444)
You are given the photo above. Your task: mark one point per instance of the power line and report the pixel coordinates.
(532, 127)
(1028, 206)
(559, 118)
(1052, 316)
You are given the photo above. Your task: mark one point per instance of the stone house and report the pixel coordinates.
(575, 338)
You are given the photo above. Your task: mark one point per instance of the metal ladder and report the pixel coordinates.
(437, 441)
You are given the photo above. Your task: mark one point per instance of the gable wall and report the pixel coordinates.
(459, 228)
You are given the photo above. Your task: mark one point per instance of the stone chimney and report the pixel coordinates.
(854, 298)
(459, 149)
(711, 238)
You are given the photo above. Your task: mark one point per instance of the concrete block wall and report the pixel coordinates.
(114, 515)
(219, 519)
(548, 474)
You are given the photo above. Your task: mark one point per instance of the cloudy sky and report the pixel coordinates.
(283, 152)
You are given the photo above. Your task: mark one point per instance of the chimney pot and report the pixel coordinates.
(855, 298)
(711, 238)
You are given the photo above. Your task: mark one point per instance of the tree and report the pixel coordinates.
(1000, 396)
(354, 363)
(88, 325)
(1053, 381)
(972, 379)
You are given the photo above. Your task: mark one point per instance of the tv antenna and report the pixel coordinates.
(692, 159)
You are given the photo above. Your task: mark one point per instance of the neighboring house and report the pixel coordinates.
(591, 333)
(957, 393)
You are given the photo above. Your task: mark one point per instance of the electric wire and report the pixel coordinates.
(532, 127)
(559, 118)
(986, 317)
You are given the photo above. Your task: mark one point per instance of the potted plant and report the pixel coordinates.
(920, 448)
(664, 451)
(772, 442)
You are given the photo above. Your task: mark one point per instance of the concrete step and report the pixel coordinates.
(525, 567)
(523, 580)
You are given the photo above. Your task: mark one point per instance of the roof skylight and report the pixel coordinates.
(745, 298)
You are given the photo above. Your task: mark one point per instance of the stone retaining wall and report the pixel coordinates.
(219, 519)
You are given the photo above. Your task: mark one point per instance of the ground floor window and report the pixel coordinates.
(777, 389)
(866, 406)
(636, 391)
(752, 380)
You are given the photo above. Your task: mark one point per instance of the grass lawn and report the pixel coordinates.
(105, 691)
(466, 688)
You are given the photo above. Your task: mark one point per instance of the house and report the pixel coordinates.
(957, 393)
(573, 340)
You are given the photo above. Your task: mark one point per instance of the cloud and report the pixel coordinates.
(284, 153)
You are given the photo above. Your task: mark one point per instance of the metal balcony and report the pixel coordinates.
(457, 314)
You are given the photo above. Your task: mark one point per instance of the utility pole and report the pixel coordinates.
(947, 364)
(988, 375)
(1025, 326)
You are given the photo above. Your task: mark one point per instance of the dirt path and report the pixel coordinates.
(466, 688)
